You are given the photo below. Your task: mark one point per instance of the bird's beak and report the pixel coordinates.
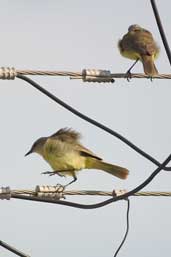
(29, 152)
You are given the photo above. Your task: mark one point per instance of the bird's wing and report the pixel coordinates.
(67, 135)
(86, 152)
(146, 43)
(72, 137)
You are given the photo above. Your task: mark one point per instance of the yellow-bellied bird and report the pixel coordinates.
(138, 44)
(65, 154)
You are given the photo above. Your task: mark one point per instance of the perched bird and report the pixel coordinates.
(65, 154)
(138, 44)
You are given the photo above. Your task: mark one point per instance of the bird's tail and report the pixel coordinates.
(149, 66)
(114, 170)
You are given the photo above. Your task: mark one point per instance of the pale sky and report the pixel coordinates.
(71, 36)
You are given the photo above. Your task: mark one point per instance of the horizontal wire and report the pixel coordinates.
(79, 75)
(95, 192)
(87, 75)
(48, 73)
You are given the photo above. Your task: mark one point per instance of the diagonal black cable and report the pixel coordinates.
(12, 249)
(101, 204)
(160, 27)
(127, 228)
(94, 122)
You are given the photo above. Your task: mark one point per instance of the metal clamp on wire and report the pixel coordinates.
(5, 193)
(92, 75)
(7, 73)
(53, 192)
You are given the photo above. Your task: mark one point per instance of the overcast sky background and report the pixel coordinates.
(71, 36)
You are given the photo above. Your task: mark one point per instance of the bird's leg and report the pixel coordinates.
(50, 173)
(56, 172)
(128, 74)
(72, 181)
(61, 188)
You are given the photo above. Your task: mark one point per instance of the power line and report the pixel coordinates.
(12, 249)
(86, 75)
(161, 29)
(59, 192)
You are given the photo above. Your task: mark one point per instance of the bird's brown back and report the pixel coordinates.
(140, 41)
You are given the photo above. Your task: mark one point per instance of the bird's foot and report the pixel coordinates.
(128, 75)
(60, 188)
(151, 78)
(50, 173)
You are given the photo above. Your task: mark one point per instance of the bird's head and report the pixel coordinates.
(134, 27)
(37, 147)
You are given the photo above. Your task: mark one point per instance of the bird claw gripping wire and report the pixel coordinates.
(128, 75)
(151, 79)
(60, 189)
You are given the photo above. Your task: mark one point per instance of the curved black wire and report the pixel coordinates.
(94, 122)
(127, 228)
(161, 30)
(100, 204)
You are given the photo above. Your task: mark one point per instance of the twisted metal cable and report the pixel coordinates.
(48, 73)
(87, 75)
(79, 75)
(94, 192)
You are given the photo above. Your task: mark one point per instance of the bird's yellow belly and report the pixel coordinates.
(131, 55)
(67, 163)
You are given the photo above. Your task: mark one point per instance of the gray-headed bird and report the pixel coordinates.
(138, 44)
(65, 154)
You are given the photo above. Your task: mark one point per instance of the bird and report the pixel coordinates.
(138, 44)
(66, 155)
